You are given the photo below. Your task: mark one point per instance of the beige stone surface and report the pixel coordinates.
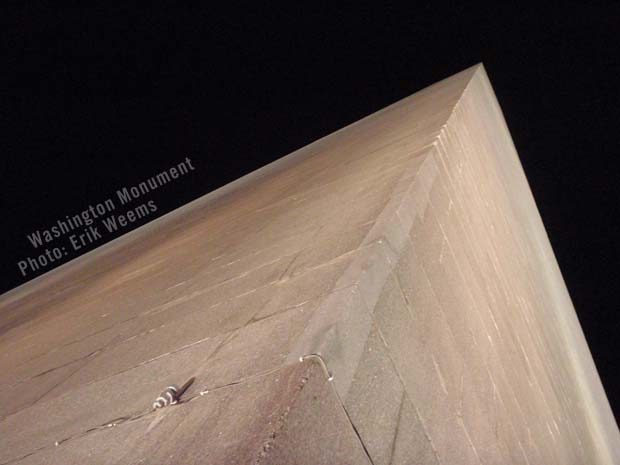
(405, 250)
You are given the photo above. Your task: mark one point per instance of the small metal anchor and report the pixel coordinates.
(172, 394)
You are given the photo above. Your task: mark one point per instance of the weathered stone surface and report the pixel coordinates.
(291, 415)
(375, 400)
(402, 258)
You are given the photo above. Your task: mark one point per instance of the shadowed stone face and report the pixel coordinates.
(401, 258)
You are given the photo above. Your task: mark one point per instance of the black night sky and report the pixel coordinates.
(96, 99)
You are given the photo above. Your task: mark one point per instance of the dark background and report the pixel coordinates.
(97, 100)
